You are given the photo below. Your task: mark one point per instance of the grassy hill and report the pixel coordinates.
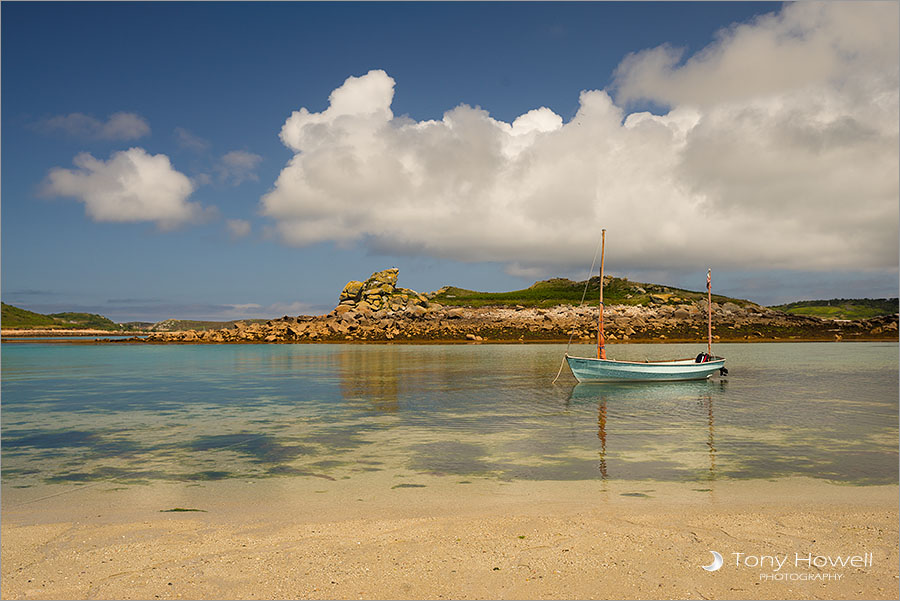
(843, 308)
(86, 320)
(14, 317)
(558, 291)
(17, 318)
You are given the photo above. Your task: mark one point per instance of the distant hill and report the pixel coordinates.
(16, 318)
(843, 308)
(176, 325)
(86, 320)
(559, 291)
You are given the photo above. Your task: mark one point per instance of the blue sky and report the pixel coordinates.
(763, 151)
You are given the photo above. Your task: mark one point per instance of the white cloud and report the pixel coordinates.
(186, 139)
(772, 154)
(807, 46)
(239, 228)
(131, 186)
(238, 166)
(118, 126)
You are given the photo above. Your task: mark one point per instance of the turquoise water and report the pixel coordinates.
(137, 414)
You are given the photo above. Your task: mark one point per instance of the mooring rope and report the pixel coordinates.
(583, 296)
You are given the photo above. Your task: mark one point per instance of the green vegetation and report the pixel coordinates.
(14, 317)
(17, 318)
(560, 291)
(86, 320)
(843, 308)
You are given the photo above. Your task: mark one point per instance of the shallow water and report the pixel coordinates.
(138, 414)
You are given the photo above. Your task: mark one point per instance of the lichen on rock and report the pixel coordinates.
(379, 292)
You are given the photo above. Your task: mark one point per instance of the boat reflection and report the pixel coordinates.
(632, 398)
(645, 392)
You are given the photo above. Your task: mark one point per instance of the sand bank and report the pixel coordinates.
(64, 333)
(439, 537)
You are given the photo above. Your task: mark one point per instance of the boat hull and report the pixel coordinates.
(606, 370)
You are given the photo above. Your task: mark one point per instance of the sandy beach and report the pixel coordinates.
(308, 538)
(62, 332)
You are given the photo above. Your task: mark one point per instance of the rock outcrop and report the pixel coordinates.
(378, 310)
(380, 292)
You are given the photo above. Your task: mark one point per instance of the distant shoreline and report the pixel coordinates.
(423, 322)
(67, 333)
(90, 339)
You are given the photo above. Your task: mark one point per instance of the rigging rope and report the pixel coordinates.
(583, 295)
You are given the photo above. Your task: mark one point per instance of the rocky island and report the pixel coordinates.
(377, 310)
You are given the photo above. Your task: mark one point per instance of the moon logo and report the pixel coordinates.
(716, 564)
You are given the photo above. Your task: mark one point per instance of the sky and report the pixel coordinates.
(233, 160)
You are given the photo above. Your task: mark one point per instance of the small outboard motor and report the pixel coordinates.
(723, 371)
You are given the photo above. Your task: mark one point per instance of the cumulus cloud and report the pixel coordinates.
(238, 228)
(238, 166)
(118, 126)
(779, 147)
(807, 46)
(131, 186)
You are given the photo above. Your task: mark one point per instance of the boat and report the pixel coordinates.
(601, 369)
(587, 369)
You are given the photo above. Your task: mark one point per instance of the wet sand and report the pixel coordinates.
(443, 537)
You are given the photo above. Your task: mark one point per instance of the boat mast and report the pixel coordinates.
(601, 343)
(709, 311)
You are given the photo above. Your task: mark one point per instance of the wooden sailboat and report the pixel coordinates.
(601, 369)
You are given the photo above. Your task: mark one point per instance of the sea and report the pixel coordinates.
(134, 415)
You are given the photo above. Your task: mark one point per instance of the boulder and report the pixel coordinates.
(416, 311)
(387, 276)
(730, 307)
(351, 290)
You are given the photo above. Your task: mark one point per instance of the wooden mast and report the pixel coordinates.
(601, 343)
(709, 311)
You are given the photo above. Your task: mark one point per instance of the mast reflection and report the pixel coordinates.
(632, 400)
(601, 434)
(710, 438)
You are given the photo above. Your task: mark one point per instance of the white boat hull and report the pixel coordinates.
(607, 370)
